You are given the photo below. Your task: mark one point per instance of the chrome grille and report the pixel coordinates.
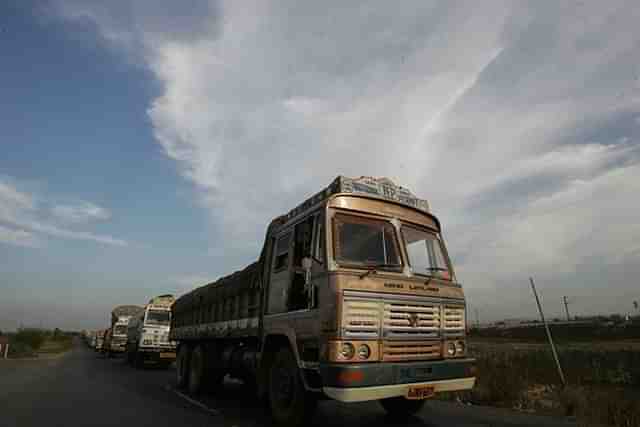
(454, 322)
(361, 318)
(410, 320)
(394, 351)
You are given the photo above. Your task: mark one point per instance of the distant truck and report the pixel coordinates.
(353, 298)
(117, 337)
(106, 343)
(98, 340)
(92, 339)
(148, 334)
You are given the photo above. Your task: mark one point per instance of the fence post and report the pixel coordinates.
(546, 327)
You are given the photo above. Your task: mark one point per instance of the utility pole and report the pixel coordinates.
(546, 327)
(566, 307)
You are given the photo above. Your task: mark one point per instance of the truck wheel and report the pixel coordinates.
(401, 407)
(290, 404)
(182, 366)
(196, 370)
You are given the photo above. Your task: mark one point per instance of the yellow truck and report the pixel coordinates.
(353, 298)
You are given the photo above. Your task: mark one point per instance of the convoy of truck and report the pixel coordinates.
(353, 298)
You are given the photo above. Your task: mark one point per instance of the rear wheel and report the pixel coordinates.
(290, 404)
(196, 370)
(401, 407)
(182, 366)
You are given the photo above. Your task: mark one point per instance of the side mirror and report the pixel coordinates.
(307, 263)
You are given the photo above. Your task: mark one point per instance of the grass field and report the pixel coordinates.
(603, 379)
(32, 342)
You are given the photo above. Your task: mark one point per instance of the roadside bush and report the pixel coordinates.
(33, 338)
(20, 349)
(597, 406)
(603, 385)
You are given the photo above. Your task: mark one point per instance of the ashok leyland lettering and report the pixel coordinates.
(148, 334)
(353, 298)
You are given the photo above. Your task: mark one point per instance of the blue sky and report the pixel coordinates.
(146, 145)
(75, 131)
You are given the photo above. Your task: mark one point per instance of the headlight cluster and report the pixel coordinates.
(347, 351)
(353, 351)
(455, 348)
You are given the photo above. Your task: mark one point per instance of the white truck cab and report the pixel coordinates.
(148, 334)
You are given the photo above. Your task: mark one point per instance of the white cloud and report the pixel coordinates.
(29, 222)
(18, 237)
(498, 115)
(80, 213)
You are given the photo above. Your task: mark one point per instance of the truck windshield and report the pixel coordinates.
(120, 330)
(158, 317)
(425, 253)
(365, 241)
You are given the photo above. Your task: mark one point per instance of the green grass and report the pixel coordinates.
(31, 342)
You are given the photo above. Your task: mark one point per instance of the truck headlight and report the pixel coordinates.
(364, 351)
(347, 350)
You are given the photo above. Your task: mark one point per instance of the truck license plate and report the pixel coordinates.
(167, 355)
(420, 392)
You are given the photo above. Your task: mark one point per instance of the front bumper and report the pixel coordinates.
(158, 354)
(362, 382)
(118, 348)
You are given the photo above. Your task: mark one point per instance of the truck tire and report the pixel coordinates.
(400, 407)
(290, 404)
(197, 371)
(182, 366)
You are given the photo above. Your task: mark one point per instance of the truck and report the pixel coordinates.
(99, 340)
(353, 297)
(117, 337)
(148, 334)
(92, 339)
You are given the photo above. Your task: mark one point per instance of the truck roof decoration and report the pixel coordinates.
(162, 300)
(379, 188)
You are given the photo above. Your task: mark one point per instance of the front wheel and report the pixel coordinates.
(290, 404)
(401, 407)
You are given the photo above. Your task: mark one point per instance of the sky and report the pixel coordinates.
(146, 145)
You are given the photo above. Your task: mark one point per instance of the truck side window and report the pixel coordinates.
(282, 252)
(303, 239)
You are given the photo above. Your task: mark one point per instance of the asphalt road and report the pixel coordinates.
(82, 389)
